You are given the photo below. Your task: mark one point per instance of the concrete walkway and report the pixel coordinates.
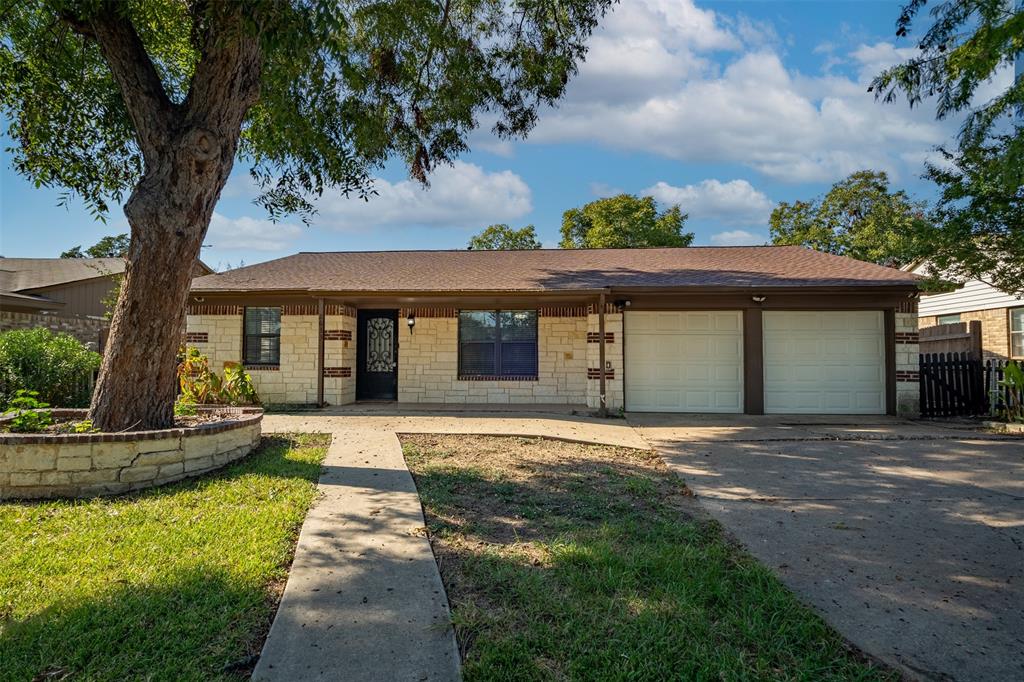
(364, 599)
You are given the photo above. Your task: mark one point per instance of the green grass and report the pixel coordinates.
(566, 561)
(174, 583)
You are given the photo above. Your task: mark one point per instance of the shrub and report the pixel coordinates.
(56, 366)
(30, 415)
(200, 385)
(1013, 385)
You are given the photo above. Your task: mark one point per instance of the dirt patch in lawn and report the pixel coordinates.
(565, 560)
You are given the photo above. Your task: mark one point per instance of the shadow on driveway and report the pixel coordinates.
(908, 537)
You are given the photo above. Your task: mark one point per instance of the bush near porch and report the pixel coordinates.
(174, 583)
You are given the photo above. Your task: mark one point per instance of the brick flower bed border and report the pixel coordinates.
(34, 465)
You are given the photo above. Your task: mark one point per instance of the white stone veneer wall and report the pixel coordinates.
(908, 396)
(428, 365)
(293, 381)
(614, 391)
(83, 465)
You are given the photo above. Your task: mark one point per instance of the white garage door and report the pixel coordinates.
(827, 362)
(684, 361)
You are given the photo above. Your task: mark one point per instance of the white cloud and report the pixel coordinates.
(732, 203)
(738, 238)
(604, 190)
(461, 195)
(651, 83)
(249, 234)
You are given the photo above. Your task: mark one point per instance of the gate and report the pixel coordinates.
(952, 385)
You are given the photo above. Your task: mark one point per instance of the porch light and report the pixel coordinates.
(411, 321)
(758, 299)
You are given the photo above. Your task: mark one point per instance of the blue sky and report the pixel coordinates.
(723, 107)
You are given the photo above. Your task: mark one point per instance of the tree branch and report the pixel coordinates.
(226, 82)
(142, 91)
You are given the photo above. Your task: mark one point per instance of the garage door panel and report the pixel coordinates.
(684, 361)
(824, 362)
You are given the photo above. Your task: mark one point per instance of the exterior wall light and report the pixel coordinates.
(758, 299)
(411, 321)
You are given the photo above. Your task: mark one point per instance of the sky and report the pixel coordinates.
(725, 108)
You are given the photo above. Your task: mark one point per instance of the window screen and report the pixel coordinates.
(1017, 333)
(498, 343)
(262, 343)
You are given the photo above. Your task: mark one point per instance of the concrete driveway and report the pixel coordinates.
(907, 537)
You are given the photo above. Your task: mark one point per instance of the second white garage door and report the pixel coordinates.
(818, 361)
(684, 361)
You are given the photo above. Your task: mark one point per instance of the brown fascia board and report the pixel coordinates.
(391, 293)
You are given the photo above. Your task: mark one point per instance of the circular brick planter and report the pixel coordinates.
(34, 465)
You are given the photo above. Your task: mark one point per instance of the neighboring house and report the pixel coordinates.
(732, 329)
(1001, 315)
(63, 294)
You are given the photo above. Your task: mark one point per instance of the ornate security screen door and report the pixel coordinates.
(380, 344)
(377, 355)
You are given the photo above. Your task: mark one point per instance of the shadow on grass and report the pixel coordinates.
(177, 582)
(199, 625)
(569, 561)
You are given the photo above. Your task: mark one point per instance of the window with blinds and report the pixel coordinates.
(261, 343)
(498, 343)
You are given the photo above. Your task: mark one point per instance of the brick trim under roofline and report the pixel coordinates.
(542, 311)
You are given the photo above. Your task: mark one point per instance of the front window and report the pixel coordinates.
(1017, 333)
(262, 340)
(948, 319)
(498, 343)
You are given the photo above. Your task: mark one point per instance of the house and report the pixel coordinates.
(68, 295)
(1001, 315)
(778, 329)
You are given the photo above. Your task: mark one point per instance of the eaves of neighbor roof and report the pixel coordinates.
(24, 274)
(554, 270)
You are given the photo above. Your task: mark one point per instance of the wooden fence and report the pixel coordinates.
(952, 385)
(958, 337)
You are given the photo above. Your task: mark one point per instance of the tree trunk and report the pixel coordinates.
(169, 213)
(188, 150)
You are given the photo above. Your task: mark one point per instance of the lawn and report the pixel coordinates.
(568, 561)
(175, 583)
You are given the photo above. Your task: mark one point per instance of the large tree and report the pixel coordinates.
(971, 46)
(858, 217)
(502, 237)
(623, 222)
(158, 98)
(111, 246)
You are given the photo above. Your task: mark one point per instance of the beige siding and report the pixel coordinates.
(83, 298)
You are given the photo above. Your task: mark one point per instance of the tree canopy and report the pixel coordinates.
(623, 222)
(968, 46)
(160, 98)
(859, 217)
(111, 246)
(502, 237)
(340, 85)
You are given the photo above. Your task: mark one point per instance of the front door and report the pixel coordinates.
(377, 355)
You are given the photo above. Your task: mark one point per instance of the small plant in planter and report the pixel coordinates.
(200, 385)
(1013, 382)
(30, 414)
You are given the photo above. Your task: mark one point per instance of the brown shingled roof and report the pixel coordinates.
(554, 270)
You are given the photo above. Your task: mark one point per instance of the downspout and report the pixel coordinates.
(603, 407)
(320, 352)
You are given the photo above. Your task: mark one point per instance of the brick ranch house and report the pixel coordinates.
(707, 329)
